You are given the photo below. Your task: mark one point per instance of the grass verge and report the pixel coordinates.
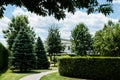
(56, 76)
(9, 75)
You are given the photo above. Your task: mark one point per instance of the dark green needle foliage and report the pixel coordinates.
(23, 53)
(42, 61)
(14, 27)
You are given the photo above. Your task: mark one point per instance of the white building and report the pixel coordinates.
(67, 44)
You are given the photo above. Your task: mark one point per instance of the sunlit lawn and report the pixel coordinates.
(56, 76)
(9, 75)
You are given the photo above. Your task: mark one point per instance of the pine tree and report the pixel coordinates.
(14, 27)
(24, 58)
(42, 61)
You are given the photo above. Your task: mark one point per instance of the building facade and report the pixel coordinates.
(67, 44)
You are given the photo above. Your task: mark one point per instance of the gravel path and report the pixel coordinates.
(37, 76)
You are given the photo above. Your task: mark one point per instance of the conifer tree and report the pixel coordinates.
(24, 58)
(42, 61)
(14, 27)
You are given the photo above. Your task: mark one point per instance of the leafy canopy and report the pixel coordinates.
(57, 7)
(53, 40)
(107, 40)
(81, 40)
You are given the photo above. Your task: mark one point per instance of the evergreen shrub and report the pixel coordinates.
(95, 68)
(4, 54)
(42, 60)
(23, 54)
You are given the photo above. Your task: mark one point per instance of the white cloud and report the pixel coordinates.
(116, 1)
(18, 11)
(93, 21)
(3, 25)
(41, 24)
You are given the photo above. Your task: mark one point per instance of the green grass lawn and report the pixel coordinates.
(9, 75)
(56, 76)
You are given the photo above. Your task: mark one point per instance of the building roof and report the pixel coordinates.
(65, 41)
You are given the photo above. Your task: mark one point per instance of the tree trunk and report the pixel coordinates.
(54, 59)
(50, 55)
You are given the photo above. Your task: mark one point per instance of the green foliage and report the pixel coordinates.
(53, 41)
(107, 40)
(4, 54)
(14, 27)
(96, 68)
(42, 61)
(57, 7)
(23, 53)
(81, 40)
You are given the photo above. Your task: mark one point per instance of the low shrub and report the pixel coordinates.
(96, 68)
(72, 55)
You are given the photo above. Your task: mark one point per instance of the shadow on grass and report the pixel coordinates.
(3, 71)
(31, 71)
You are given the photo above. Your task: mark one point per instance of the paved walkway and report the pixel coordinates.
(37, 76)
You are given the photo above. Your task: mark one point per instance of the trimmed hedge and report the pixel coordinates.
(95, 68)
(4, 54)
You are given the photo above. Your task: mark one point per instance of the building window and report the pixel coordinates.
(68, 47)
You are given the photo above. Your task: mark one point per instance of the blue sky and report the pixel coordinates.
(41, 24)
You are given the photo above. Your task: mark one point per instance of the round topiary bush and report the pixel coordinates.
(95, 68)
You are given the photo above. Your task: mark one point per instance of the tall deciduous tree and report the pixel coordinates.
(81, 40)
(42, 61)
(97, 42)
(14, 27)
(53, 41)
(107, 40)
(57, 7)
(23, 53)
